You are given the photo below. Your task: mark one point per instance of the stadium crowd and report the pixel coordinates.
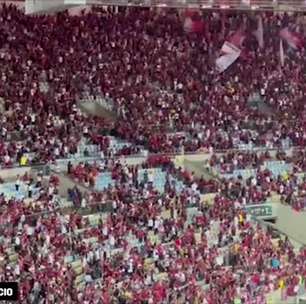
(87, 173)
(160, 79)
(262, 183)
(150, 247)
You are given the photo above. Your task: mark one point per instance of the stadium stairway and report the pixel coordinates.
(95, 107)
(198, 167)
(66, 183)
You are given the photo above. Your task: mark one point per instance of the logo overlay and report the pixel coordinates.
(8, 291)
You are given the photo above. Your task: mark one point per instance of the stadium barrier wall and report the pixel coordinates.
(10, 173)
(291, 222)
(76, 11)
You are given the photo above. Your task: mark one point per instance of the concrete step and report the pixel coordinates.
(94, 108)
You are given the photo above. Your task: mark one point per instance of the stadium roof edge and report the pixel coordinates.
(255, 5)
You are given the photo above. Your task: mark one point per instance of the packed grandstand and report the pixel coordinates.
(103, 206)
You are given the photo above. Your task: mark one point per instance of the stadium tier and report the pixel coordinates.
(153, 155)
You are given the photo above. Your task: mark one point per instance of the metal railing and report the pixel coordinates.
(140, 155)
(283, 5)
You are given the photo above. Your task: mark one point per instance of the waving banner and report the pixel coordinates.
(293, 39)
(230, 51)
(223, 62)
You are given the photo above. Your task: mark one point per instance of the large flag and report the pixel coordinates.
(293, 39)
(224, 61)
(281, 52)
(230, 51)
(229, 48)
(259, 32)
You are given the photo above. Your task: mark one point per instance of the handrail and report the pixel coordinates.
(141, 155)
(288, 5)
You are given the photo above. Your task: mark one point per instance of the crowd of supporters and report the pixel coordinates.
(149, 247)
(160, 79)
(261, 184)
